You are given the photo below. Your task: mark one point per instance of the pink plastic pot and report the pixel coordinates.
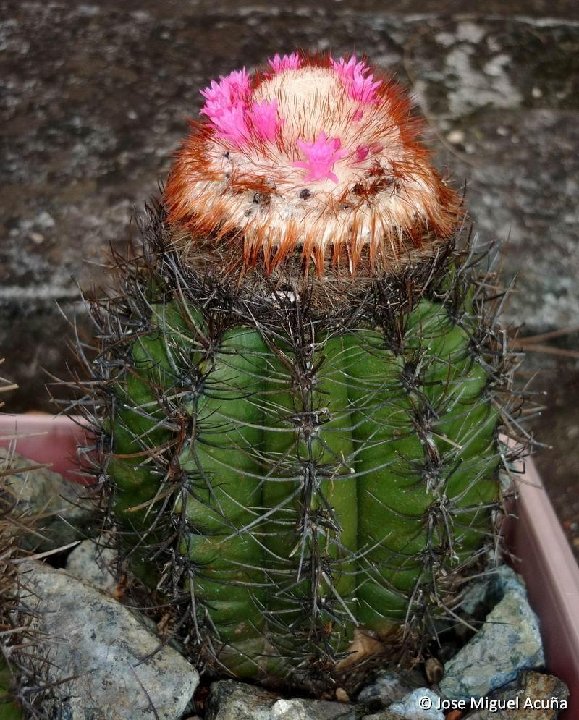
(535, 538)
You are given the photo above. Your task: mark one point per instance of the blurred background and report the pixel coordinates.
(95, 99)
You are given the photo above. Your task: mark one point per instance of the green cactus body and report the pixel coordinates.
(9, 708)
(328, 479)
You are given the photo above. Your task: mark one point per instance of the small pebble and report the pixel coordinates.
(455, 137)
(533, 696)
(434, 670)
(389, 687)
(421, 704)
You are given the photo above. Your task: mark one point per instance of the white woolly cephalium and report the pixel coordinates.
(316, 154)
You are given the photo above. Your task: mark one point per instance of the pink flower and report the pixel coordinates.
(263, 116)
(229, 89)
(357, 78)
(321, 155)
(361, 152)
(225, 105)
(231, 124)
(285, 62)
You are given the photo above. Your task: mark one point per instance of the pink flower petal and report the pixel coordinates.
(279, 63)
(231, 124)
(357, 78)
(322, 154)
(263, 116)
(229, 89)
(362, 152)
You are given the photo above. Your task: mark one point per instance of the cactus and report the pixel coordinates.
(300, 386)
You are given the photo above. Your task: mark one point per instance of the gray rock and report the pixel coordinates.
(299, 709)
(389, 687)
(64, 510)
(490, 588)
(93, 564)
(420, 704)
(509, 641)
(534, 697)
(231, 700)
(100, 659)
